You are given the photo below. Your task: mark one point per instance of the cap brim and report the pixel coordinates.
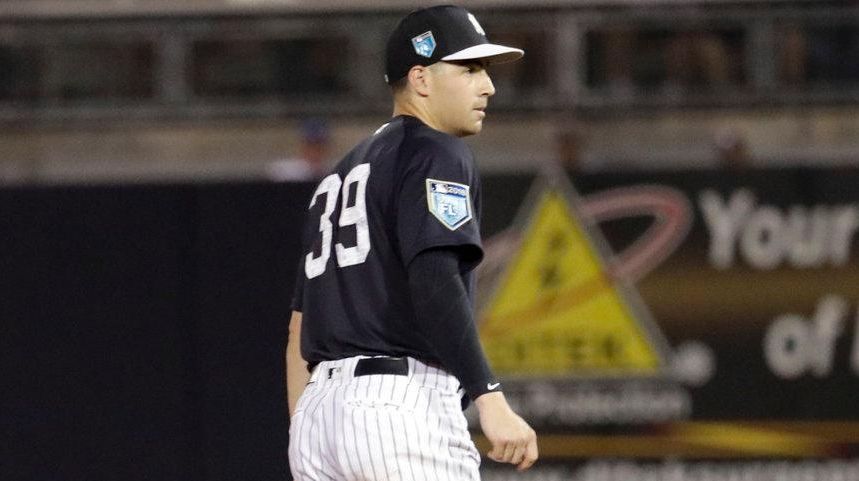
(490, 52)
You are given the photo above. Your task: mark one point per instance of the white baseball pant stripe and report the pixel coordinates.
(381, 427)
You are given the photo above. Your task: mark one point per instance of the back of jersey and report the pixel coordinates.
(405, 189)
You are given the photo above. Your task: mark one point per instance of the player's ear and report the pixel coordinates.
(419, 80)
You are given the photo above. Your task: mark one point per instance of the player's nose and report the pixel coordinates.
(487, 87)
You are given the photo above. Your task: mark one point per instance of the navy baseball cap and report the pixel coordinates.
(441, 33)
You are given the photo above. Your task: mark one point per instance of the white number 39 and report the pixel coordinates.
(355, 214)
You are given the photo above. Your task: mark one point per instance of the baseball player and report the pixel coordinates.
(388, 351)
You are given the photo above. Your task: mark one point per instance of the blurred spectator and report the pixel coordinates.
(570, 148)
(732, 151)
(793, 64)
(697, 59)
(626, 60)
(823, 55)
(618, 45)
(312, 160)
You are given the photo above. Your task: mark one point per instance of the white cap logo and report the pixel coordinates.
(477, 26)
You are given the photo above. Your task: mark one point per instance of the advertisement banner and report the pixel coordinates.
(677, 326)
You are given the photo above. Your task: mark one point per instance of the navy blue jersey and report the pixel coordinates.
(403, 190)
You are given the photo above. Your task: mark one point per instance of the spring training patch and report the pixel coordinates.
(449, 202)
(424, 44)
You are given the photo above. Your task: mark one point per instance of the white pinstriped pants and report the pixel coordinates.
(381, 427)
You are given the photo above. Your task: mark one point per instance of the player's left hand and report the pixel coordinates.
(513, 441)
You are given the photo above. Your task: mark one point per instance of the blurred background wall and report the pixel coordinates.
(101, 90)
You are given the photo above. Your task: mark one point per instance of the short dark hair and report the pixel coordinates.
(399, 85)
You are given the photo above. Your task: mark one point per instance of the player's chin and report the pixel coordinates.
(469, 130)
(474, 127)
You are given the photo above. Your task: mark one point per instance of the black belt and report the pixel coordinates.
(382, 365)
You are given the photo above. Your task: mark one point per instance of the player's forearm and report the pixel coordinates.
(296, 367)
(444, 317)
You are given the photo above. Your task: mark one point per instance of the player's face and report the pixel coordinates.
(460, 94)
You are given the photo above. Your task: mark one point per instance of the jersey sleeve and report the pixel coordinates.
(438, 204)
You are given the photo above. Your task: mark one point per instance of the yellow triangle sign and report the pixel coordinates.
(557, 312)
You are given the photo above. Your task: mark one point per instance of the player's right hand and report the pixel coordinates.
(513, 441)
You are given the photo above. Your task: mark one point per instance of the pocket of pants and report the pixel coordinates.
(378, 404)
(399, 397)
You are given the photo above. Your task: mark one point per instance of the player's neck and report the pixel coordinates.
(413, 109)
